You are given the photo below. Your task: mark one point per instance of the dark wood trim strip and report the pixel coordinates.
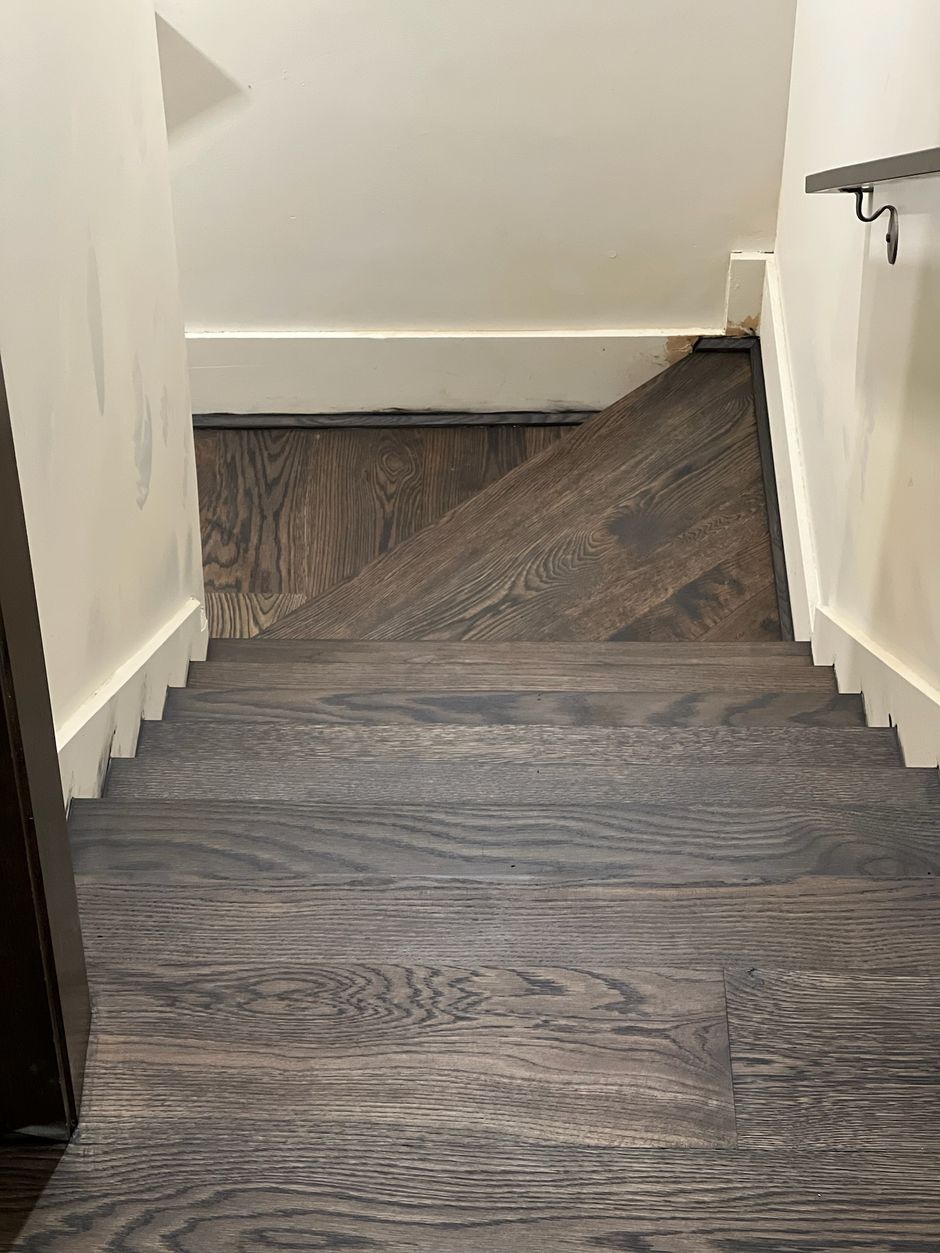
(724, 343)
(778, 557)
(751, 345)
(44, 1003)
(392, 417)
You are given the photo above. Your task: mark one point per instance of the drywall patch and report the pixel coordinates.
(143, 437)
(95, 324)
(677, 347)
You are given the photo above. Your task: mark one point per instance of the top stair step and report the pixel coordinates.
(477, 652)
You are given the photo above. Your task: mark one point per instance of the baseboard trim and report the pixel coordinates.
(499, 372)
(895, 695)
(796, 526)
(391, 417)
(107, 723)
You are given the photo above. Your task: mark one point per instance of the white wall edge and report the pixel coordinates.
(744, 291)
(895, 695)
(795, 514)
(297, 371)
(106, 724)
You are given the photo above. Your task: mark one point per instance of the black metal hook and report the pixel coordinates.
(891, 239)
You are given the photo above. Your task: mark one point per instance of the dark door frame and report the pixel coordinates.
(44, 1003)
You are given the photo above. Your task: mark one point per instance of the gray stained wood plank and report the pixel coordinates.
(203, 841)
(284, 748)
(598, 709)
(247, 548)
(656, 501)
(578, 1056)
(520, 676)
(245, 614)
(471, 652)
(830, 924)
(293, 512)
(841, 1062)
(375, 782)
(213, 1184)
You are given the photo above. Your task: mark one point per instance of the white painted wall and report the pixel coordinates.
(854, 348)
(94, 360)
(441, 168)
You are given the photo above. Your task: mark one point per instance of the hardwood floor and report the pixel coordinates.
(287, 514)
(509, 945)
(648, 522)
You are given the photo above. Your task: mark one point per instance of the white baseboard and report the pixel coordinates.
(894, 694)
(793, 498)
(483, 371)
(107, 724)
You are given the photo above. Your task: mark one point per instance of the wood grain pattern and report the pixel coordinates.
(597, 709)
(216, 1184)
(247, 548)
(372, 781)
(775, 653)
(523, 675)
(829, 924)
(284, 749)
(586, 538)
(203, 841)
(245, 614)
(290, 513)
(580, 1056)
(842, 1062)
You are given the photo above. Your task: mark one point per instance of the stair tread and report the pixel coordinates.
(647, 522)
(286, 746)
(475, 652)
(520, 676)
(808, 924)
(291, 1170)
(469, 782)
(582, 708)
(172, 841)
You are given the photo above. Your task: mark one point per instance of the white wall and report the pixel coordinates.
(855, 354)
(578, 168)
(94, 360)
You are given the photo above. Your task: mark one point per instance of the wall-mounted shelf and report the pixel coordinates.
(862, 177)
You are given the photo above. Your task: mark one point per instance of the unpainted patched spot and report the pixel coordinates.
(143, 437)
(740, 329)
(677, 347)
(95, 324)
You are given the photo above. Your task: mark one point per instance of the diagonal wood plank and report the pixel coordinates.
(659, 496)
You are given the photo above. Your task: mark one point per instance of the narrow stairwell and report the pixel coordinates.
(465, 927)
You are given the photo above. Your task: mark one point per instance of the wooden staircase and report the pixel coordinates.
(469, 928)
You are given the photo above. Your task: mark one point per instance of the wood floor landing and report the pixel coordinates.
(648, 522)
